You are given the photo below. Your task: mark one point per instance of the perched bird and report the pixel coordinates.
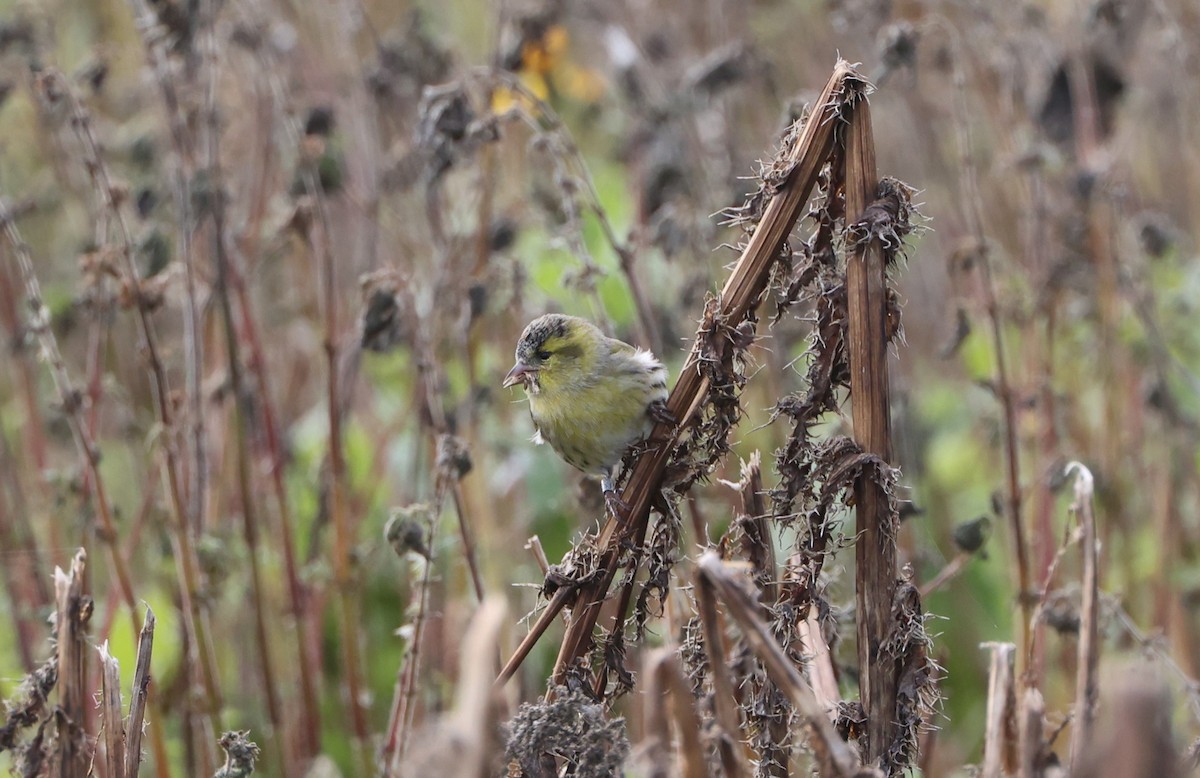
(591, 397)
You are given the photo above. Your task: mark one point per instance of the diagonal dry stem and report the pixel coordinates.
(739, 297)
(832, 752)
(669, 700)
(728, 722)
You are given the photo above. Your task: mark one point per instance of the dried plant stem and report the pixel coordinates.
(468, 540)
(88, 453)
(113, 718)
(832, 752)
(19, 573)
(195, 617)
(1006, 392)
(534, 546)
(1033, 712)
(820, 663)
(1086, 133)
(738, 298)
(478, 704)
(578, 642)
(668, 695)
(564, 595)
(435, 412)
(10, 313)
(1004, 389)
(997, 745)
(757, 542)
(946, 574)
(97, 334)
(309, 713)
(656, 729)
(343, 572)
(137, 701)
(1087, 690)
(153, 38)
(39, 325)
(27, 585)
(131, 541)
(284, 755)
(728, 723)
(486, 187)
(71, 620)
(403, 709)
(600, 687)
(320, 237)
(868, 336)
(1043, 543)
(362, 116)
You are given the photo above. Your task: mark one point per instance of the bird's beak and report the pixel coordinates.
(520, 374)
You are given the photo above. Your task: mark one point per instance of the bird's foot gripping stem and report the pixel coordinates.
(659, 413)
(616, 507)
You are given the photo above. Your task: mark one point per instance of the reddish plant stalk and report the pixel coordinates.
(283, 754)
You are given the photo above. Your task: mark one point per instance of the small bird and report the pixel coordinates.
(590, 396)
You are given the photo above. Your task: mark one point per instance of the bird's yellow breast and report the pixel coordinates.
(592, 421)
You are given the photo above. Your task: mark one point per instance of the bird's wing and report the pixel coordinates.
(639, 357)
(620, 348)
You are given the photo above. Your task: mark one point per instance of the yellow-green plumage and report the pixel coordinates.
(590, 396)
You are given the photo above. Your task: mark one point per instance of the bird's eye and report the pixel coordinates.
(542, 354)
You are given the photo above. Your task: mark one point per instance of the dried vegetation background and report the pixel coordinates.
(262, 270)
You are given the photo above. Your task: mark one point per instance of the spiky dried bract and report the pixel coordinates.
(828, 371)
(813, 266)
(613, 650)
(850, 719)
(383, 324)
(723, 357)
(450, 131)
(662, 554)
(771, 718)
(691, 652)
(240, 754)
(571, 727)
(917, 694)
(890, 218)
(579, 565)
(28, 705)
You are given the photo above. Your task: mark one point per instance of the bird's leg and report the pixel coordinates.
(615, 505)
(659, 413)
